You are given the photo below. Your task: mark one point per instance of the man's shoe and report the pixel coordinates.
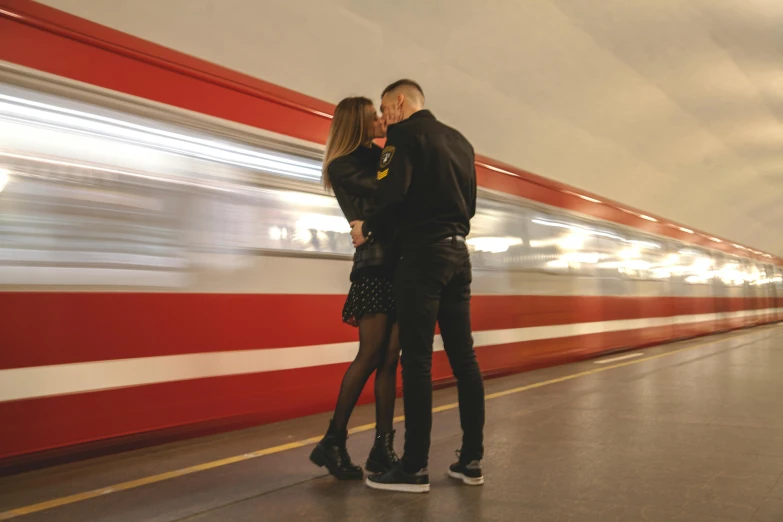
(397, 479)
(469, 472)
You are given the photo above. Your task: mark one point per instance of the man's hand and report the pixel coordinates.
(356, 233)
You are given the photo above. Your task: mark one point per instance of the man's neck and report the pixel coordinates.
(410, 111)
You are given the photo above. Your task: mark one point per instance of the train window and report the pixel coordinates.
(773, 280)
(90, 233)
(561, 244)
(596, 249)
(774, 277)
(757, 274)
(635, 256)
(268, 219)
(777, 280)
(695, 265)
(497, 238)
(731, 271)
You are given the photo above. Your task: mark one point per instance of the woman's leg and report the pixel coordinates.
(373, 340)
(386, 382)
(331, 450)
(382, 456)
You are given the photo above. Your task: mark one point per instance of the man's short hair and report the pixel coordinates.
(403, 83)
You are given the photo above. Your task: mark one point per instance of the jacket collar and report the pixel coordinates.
(424, 113)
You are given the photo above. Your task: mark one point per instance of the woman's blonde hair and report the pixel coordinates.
(351, 128)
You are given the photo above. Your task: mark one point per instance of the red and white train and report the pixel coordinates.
(170, 263)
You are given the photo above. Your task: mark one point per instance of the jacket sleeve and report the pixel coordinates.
(351, 176)
(394, 176)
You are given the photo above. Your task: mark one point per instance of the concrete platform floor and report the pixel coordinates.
(685, 432)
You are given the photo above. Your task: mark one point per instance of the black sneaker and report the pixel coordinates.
(397, 479)
(469, 472)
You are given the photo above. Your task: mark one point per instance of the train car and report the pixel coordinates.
(170, 264)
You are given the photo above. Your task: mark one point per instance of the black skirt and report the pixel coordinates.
(369, 294)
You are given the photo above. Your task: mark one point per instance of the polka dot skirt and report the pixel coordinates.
(368, 295)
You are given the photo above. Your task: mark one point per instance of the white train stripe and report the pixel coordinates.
(540, 333)
(42, 381)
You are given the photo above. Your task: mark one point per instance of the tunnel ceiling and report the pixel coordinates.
(669, 106)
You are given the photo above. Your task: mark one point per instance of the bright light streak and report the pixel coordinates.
(571, 242)
(323, 223)
(592, 232)
(493, 245)
(211, 150)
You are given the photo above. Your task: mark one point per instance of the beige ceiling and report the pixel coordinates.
(671, 106)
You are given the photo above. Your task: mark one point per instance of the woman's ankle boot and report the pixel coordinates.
(382, 456)
(332, 453)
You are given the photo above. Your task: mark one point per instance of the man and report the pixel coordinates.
(426, 196)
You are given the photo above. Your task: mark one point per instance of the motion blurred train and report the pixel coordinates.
(169, 263)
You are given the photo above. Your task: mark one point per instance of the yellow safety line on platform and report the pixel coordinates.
(144, 481)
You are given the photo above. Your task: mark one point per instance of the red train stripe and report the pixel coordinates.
(50, 422)
(59, 328)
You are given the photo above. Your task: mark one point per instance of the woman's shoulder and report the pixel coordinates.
(360, 159)
(342, 165)
(365, 153)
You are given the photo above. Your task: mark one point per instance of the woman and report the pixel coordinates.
(350, 168)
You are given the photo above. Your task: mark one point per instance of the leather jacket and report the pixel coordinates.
(353, 179)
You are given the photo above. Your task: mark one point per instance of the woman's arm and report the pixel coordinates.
(351, 176)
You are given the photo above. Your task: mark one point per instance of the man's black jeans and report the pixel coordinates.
(432, 283)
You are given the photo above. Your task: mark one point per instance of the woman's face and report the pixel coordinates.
(377, 125)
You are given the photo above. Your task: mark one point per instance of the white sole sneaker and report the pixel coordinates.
(402, 488)
(470, 481)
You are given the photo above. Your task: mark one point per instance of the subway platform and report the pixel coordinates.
(689, 431)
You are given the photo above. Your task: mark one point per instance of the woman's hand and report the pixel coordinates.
(392, 115)
(356, 233)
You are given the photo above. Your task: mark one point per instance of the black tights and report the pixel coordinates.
(379, 350)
